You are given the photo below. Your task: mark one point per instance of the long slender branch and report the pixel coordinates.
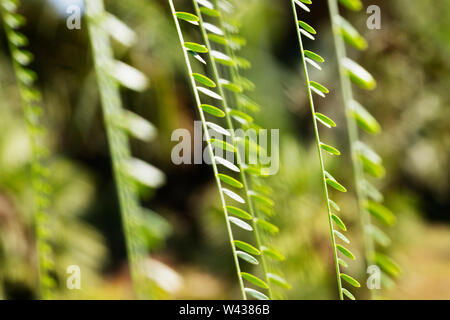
(322, 167)
(233, 138)
(210, 149)
(353, 135)
(117, 138)
(39, 173)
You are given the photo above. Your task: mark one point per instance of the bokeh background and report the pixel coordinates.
(191, 258)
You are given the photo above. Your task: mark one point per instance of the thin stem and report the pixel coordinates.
(352, 130)
(322, 167)
(117, 139)
(233, 138)
(38, 174)
(210, 149)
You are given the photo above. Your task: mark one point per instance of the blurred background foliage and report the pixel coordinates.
(408, 57)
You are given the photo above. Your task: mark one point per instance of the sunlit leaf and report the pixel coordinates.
(247, 247)
(350, 280)
(255, 280)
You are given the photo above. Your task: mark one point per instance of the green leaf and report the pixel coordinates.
(231, 181)
(210, 12)
(329, 149)
(240, 116)
(239, 213)
(378, 235)
(22, 57)
(364, 119)
(350, 280)
(222, 58)
(334, 205)
(255, 280)
(261, 199)
(336, 185)
(278, 280)
(307, 27)
(346, 252)
(339, 222)
(256, 294)
(213, 28)
(14, 20)
(213, 110)
(233, 195)
(137, 126)
(354, 5)
(374, 169)
(325, 120)
(222, 145)
(217, 39)
(272, 253)
(204, 80)
(348, 294)
(247, 257)
(231, 86)
(187, 17)
(269, 227)
(350, 34)
(143, 173)
(342, 263)
(318, 86)
(381, 213)
(247, 247)
(195, 47)
(358, 74)
(240, 223)
(341, 236)
(387, 264)
(242, 62)
(314, 56)
(301, 5)
(372, 191)
(18, 39)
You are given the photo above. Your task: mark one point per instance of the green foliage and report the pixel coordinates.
(129, 172)
(225, 55)
(33, 112)
(365, 160)
(303, 29)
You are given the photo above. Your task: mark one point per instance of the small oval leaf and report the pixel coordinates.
(339, 222)
(213, 110)
(241, 224)
(325, 120)
(256, 294)
(246, 247)
(346, 252)
(195, 47)
(350, 280)
(314, 56)
(249, 258)
(231, 181)
(306, 27)
(255, 280)
(204, 80)
(239, 213)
